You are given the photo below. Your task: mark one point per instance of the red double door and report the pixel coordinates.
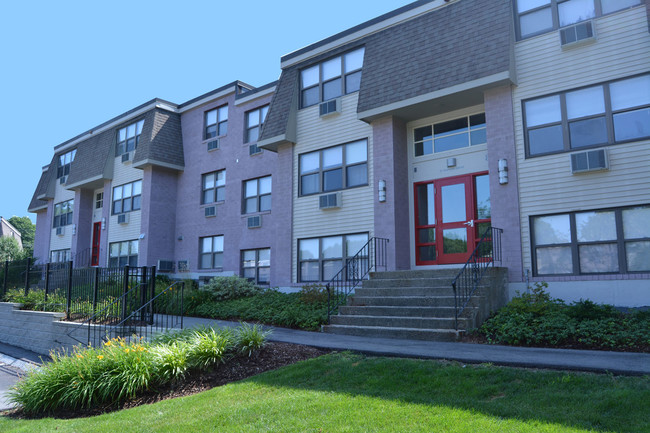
(451, 214)
(97, 234)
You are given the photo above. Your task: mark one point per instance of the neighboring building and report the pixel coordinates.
(423, 126)
(7, 230)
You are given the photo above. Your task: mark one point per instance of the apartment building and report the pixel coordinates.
(424, 126)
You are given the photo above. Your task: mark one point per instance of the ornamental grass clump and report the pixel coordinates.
(210, 346)
(250, 338)
(171, 361)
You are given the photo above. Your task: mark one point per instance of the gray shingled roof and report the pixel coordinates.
(41, 188)
(91, 157)
(161, 140)
(280, 108)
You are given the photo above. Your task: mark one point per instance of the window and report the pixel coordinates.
(60, 256)
(99, 200)
(598, 115)
(334, 168)
(540, 16)
(256, 265)
(254, 121)
(216, 122)
(63, 168)
(129, 137)
(453, 134)
(211, 252)
(320, 259)
(126, 198)
(214, 187)
(257, 195)
(593, 242)
(331, 78)
(63, 213)
(122, 254)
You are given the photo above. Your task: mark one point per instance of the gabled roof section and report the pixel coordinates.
(279, 126)
(161, 142)
(90, 160)
(41, 189)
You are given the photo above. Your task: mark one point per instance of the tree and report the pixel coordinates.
(27, 230)
(9, 249)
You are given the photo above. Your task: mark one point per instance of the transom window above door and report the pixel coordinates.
(449, 135)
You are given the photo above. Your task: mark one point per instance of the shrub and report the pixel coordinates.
(250, 338)
(224, 288)
(209, 346)
(313, 293)
(171, 361)
(35, 300)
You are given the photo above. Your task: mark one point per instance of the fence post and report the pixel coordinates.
(144, 287)
(29, 263)
(47, 280)
(95, 291)
(182, 306)
(153, 292)
(69, 291)
(6, 278)
(125, 289)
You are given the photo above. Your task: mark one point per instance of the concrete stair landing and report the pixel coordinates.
(416, 305)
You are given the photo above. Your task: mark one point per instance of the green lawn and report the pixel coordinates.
(353, 393)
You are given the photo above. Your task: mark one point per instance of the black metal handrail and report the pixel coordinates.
(487, 251)
(371, 256)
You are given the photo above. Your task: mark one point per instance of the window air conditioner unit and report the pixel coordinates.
(126, 157)
(63, 180)
(255, 222)
(253, 149)
(183, 266)
(210, 211)
(577, 34)
(214, 144)
(330, 201)
(123, 218)
(330, 108)
(60, 231)
(591, 160)
(165, 266)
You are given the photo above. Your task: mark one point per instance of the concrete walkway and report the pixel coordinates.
(14, 362)
(560, 359)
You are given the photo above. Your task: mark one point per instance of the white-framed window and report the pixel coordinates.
(99, 200)
(127, 197)
(213, 187)
(335, 168)
(60, 256)
(602, 114)
(256, 265)
(320, 259)
(451, 134)
(257, 195)
(63, 165)
(129, 137)
(124, 253)
(331, 78)
(63, 213)
(211, 255)
(216, 122)
(254, 121)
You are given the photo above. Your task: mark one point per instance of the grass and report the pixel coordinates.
(352, 393)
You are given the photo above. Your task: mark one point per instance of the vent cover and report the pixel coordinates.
(165, 266)
(183, 266)
(578, 33)
(254, 150)
(63, 180)
(210, 211)
(255, 222)
(330, 108)
(330, 201)
(60, 231)
(591, 160)
(126, 157)
(123, 218)
(214, 144)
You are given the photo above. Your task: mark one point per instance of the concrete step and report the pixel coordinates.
(436, 273)
(398, 322)
(406, 301)
(398, 333)
(404, 291)
(397, 311)
(408, 282)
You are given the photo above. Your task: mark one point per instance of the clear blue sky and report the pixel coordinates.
(68, 66)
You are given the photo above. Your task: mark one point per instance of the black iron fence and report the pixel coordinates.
(372, 256)
(486, 253)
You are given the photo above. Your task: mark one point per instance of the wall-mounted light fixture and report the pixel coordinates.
(103, 223)
(74, 229)
(382, 191)
(503, 171)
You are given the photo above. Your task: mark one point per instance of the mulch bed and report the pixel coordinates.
(271, 357)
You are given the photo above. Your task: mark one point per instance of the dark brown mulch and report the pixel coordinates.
(271, 357)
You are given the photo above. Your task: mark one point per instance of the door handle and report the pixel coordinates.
(469, 223)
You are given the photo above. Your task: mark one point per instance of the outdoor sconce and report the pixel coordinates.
(74, 229)
(103, 223)
(503, 171)
(382, 191)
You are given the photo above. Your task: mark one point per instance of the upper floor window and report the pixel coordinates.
(214, 187)
(123, 253)
(541, 16)
(216, 122)
(99, 200)
(63, 168)
(211, 252)
(453, 134)
(129, 137)
(607, 113)
(63, 213)
(126, 198)
(334, 168)
(257, 195)
(254, 122)
(331, 78)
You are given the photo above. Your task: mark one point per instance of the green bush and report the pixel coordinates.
(313, 293)
(250, 338)
(210, 346)
(536, 319)
(224, 288)
(35, 300)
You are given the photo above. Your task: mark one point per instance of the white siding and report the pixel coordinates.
(61, 242)
(357, 213)
(546, 184)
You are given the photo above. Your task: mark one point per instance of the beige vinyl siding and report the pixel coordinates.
(356, 215)
(122, 174)
(546, 185)
(64, 242)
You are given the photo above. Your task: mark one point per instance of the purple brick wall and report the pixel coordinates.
(390, 163)
(504, 198)
(83, 218)
(233, 156)
(159, 187)
(42, 235)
